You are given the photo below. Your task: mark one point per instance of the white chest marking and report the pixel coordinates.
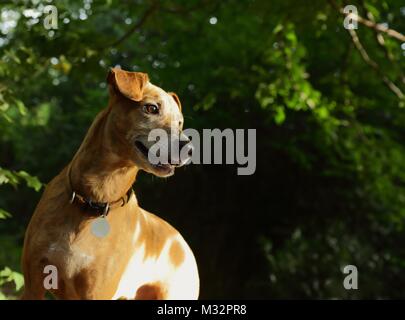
(180, 283)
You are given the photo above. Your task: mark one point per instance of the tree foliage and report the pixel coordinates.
(329, 189)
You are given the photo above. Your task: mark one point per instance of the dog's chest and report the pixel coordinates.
(118, 265)
(87, 264)
(143, 269)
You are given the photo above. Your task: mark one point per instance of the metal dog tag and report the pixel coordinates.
(100, 227)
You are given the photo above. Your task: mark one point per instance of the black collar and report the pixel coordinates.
(102, 208)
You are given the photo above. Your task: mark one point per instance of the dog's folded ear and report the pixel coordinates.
(129, 84)
(176, 98)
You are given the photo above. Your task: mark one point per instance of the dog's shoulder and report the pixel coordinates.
(154, 228)
(155, 221)
(161, 236)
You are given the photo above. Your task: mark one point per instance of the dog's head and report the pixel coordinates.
(138, 108)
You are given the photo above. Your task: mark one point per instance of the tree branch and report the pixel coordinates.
(374, 64)
(376, 26)
(185, 10)
(147, 14)
(381, 42)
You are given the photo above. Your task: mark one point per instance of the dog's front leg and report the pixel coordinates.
(33, 280)
(33, 288)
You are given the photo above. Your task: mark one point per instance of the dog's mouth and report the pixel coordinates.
(142, 148)
(165, 168)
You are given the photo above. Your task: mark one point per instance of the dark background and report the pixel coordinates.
(327, 104)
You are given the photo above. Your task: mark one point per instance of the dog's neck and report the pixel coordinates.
(98, 171)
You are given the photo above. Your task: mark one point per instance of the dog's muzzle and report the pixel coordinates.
(182, 155)
(175, 151)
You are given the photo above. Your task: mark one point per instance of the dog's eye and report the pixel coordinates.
(151, 108)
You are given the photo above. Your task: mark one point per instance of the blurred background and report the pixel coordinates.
(327, 103)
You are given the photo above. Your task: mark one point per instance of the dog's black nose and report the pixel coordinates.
(188, 145)
(180, 153)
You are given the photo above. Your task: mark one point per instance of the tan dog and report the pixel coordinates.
(142, 257)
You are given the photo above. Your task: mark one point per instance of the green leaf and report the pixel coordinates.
(21, 107)
(4, 214)
(373, 10)
(4, 106)
(280, 115)
(14, 178)
(207, 102)
(31, 181)
(6, 176)
(6, 272)
(18, 280)
(278, 28)
(8, 275)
